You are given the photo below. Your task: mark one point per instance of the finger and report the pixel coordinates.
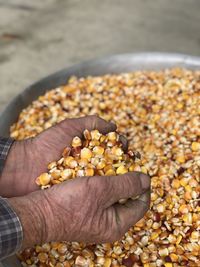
(95, 122)
(88, 122)
(129, 185)
(124, 142)
(131, 212)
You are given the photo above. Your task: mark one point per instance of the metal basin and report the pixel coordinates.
(112, 64)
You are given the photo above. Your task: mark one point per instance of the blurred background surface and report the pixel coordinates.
(40, 37)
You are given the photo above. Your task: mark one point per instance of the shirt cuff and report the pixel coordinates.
(5, 144)
(11, 233)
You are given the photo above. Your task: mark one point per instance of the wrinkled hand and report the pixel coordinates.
(29, 158)
(84, 209)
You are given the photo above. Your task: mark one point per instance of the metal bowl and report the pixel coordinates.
(112, 64)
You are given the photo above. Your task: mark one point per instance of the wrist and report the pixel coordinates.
(15, 169)
(30, 212)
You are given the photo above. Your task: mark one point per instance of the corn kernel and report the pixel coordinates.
(66, 174)
(121, 170)
(183, 209)
(87, 135)
(195, 146)
(76, 142)
(110, 172)
(112, 136)
(101, 164)
(180, 158)
(178, 240)
(86, 153)
(43, 179)
(99, 150)
(174, 257)
(95, 134)
(154, 235)
(52, 165)
(89, 172)
(163, 252)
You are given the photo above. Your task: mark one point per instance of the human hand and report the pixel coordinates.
(29, 158)
(84, 209)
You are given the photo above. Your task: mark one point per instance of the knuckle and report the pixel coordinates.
(94, 118)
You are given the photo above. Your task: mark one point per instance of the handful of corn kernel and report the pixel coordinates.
(158, 112)
(96, 154)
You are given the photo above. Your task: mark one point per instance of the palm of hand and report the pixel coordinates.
(28, 159)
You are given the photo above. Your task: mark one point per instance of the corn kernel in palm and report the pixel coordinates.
(66, 174)
(43, 179)
(110, 172)
(98, 150)
(86, 153)
(89, 172)
(101, 164)
(87, 135)
(95, 134)
(112, 136)
(76, 142)
(121, 170)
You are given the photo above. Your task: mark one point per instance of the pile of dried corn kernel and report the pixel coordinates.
(159, 112)
(96, 154)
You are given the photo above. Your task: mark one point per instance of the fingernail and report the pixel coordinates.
(145, 180)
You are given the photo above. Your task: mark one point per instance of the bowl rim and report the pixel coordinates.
(117, 63)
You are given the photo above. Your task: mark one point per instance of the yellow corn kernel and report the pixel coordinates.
(66, 174)
(89, 172)
(183, 208)
(95, 134)
(43, 179)
(195, 146)
(154, 235)
(112, 136)
(117, 151)
(82, 162)
(121, 170)
(67, 160)
(101, 165)
(86, 153)
(168, 264)
(163, 252)
(173, 257)
(98, 150)
(42, 257)
(131, 168)
(107, 262)
(178, 240)
(73, 164)
(76, 141)
(94, 143)
(52, 165)
(187, 218)
(144, 169)
(195, 235)
(183, 182)
(180, 158)
(87, 135)
(175, 183)
(110, 172)
(55, 174)
(160, 208)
